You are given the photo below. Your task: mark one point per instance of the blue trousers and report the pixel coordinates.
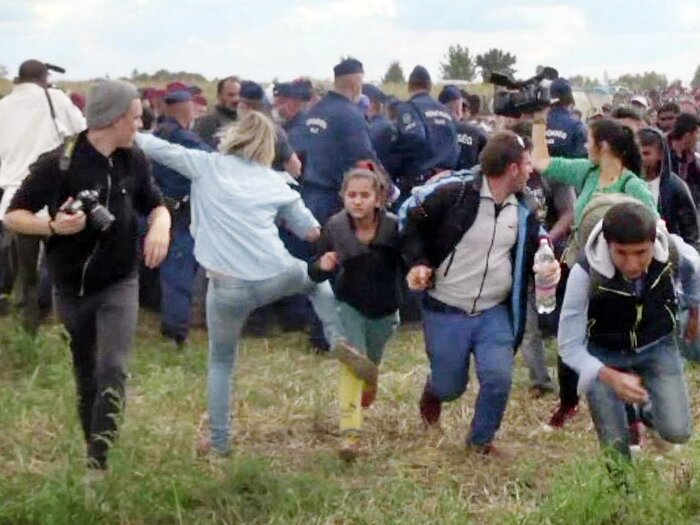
(177, 275)
(450, 339)
(661, 369)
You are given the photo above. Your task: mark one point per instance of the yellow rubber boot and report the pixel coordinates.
(350, 403)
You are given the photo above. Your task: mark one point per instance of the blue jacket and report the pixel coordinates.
(444, 215)
(335, 137)
(566, 136)
(294, 128)
(427, 141)
(382, 134)
(170, 182)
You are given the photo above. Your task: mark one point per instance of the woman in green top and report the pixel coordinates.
(611, 167)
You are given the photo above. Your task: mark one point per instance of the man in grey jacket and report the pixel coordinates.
(618, 320)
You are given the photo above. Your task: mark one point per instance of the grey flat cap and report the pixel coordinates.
(108, 100)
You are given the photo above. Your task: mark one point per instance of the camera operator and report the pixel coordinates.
(566, 136)
(93, 252)
(34, 119)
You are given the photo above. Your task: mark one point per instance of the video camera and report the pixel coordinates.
(52, 67)
(522, 96)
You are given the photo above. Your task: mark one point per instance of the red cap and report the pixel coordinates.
(176, 86)
(200, 99)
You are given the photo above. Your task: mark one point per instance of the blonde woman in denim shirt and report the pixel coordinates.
(236, 200)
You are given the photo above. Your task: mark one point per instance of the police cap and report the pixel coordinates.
(349, 66)
(374, 93)
(251, 90)
(449, 94)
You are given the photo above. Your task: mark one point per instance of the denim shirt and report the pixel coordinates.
(235, 204)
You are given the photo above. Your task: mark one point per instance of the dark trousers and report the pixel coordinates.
(568, 384)
(8, 262)
(33, 278)
(101, 328)
(177, 277)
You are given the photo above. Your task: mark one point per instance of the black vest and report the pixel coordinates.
(619, 319)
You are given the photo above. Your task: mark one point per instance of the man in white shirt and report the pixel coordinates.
(34, 119)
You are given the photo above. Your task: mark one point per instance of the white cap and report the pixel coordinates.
(641, 100)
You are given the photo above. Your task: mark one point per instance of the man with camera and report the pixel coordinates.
(94, 185)
(34, 119)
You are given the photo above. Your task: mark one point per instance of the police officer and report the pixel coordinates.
(291, 100)
(427, 137)
(470, 137)
(566, 136)
(335, 138)
(178, 271)
(382, 131)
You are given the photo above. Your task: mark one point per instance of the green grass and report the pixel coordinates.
(284, 469)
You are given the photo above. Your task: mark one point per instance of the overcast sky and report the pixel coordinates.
(262, 39)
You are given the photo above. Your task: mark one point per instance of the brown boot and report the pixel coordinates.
(357, 361)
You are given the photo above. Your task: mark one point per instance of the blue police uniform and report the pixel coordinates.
(294, 128)
(426, 141)
(382, 134)
(335, 137)
(178, 270)
(471, 140)
(566, 136)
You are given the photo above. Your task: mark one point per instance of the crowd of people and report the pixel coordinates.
(345, 212)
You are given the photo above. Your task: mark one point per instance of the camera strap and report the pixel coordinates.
(52, 110)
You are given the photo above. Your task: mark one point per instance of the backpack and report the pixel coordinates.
(420, 193)
(594, 212)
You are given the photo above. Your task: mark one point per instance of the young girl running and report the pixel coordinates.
(359, 246)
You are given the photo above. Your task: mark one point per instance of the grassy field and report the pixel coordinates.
(284, 469)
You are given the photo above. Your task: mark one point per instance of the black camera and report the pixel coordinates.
(98, 216)
(522, 96)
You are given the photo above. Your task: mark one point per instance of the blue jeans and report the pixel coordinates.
(229, 301)
(661, 370)
(450, 338)
(177, 276)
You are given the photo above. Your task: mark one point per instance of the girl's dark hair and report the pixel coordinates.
(621, 141)
(629, 223)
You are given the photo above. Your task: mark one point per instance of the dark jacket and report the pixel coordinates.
(471, 140)
(621, 318)
(370, 275)
(677, 209)
(88, 261)
(207, 125)
(426, 141)
(566, 136)
(170, 182)
(434, 228)
(335, 137)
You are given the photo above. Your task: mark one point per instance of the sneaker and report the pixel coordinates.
(358, 362)
(638, 435)
(561, 415)
(369, 394)
(349, 447)
(430, 407)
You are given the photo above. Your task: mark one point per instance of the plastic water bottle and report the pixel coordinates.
(545, 290)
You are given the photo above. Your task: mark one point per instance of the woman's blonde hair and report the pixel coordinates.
(251, 138)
